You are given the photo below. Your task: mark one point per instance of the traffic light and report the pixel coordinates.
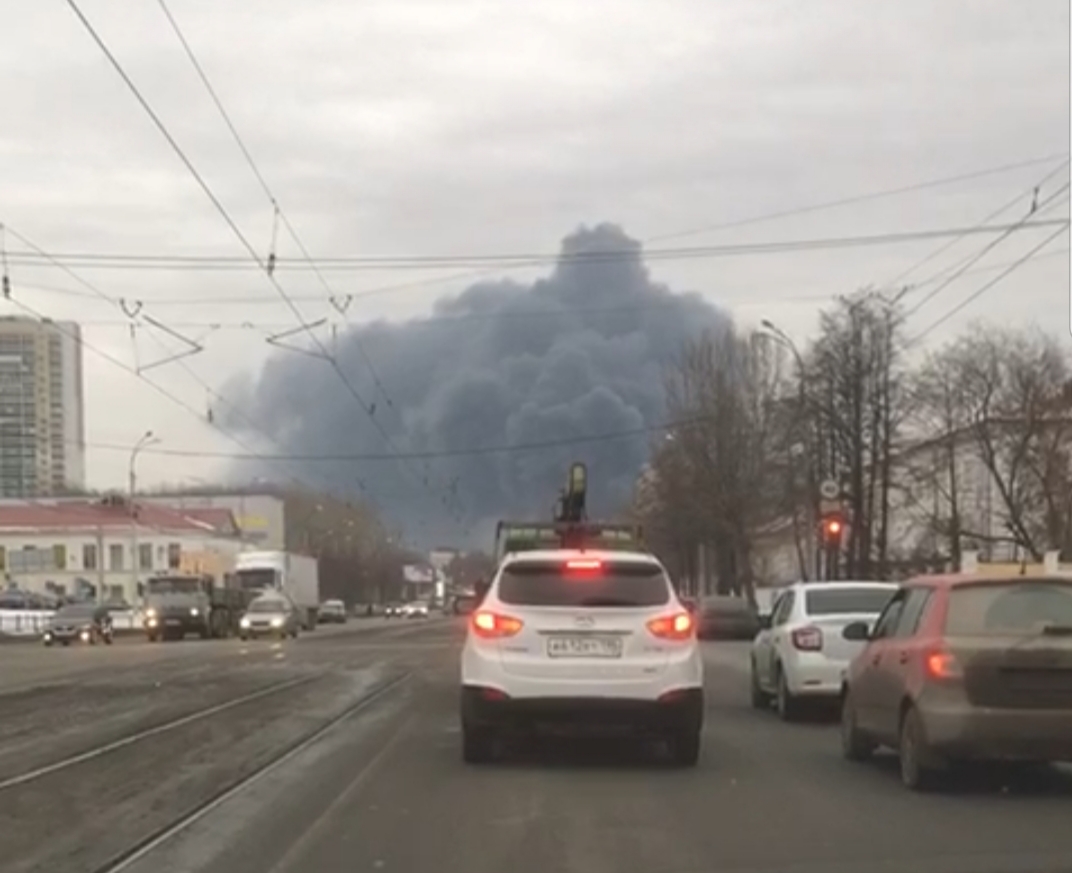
(833, 525)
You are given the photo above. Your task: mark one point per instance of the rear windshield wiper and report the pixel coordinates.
(1057, 630)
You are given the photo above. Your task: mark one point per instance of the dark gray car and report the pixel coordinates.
(80, 622)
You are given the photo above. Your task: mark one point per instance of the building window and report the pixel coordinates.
(115, 556)
(174, 556)
(145, 556)
(59, 557)
(30, 559)
(89, 556)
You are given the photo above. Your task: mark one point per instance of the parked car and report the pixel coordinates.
(960, 669)
(80, 622)
(725, 617)
(799, 654)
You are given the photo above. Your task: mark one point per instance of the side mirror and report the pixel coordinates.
(857, 631)
(766, 621)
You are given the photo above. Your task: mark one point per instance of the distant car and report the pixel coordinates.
(417, 609)
(393, 610)
(464, 604)
(582, 641)
(723, 617)
(962, 668)
(799, 653)
(80, 622)
(332, 612)
(270, 615)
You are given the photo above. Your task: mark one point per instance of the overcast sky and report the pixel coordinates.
(458, 127)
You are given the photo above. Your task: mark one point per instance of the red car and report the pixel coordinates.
(960, 669)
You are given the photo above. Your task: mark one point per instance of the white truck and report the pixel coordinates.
(295, 576)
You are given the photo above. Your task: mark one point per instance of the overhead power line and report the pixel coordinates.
(120, 261)
(986, 287)
(745, 298)
(432, 454)
(268, 192)
(260, 263)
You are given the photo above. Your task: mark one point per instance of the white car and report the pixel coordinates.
(418, 609)
(581, 640)
(800, 653)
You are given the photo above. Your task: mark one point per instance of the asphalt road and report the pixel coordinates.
(385, 789)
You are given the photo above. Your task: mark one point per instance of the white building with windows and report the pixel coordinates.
(72, 547)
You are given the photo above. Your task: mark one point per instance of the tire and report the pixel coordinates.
(108, 640)
(243, 637)
(478, 745)
(48, 643)
(854, 745)
(913, 754)
(760, 698)
(685, 748)
(787, 704)
(153, 638)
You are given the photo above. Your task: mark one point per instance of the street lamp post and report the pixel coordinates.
(147, 439)
(810, 551)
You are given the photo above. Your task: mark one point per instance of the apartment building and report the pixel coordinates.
(42, 407)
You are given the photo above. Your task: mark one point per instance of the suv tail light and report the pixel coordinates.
(942, 665)
(807, 639)
(679, 626)
(493, 626)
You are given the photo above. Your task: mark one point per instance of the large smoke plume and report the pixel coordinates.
(582, 352)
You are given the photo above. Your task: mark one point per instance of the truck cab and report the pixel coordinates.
(178, 604)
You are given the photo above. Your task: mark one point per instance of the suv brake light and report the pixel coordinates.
(807, 639)
(942, 665)
(679, 626)
(492, 625)
(584, 564)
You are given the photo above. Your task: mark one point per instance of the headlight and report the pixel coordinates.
(193, 610)
(150, 613)
(244, 622)
(277, 621)
(85, 635)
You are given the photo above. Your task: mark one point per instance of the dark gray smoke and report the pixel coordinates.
(582, 352)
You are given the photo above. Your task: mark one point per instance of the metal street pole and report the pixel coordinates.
(811, 552)
(147, 439)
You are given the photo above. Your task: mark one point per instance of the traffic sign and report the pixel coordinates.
(829, 489)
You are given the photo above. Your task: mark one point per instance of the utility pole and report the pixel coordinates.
(147, 439)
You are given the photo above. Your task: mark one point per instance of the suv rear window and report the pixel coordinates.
(616, 584)
(1013, 607)
(842, 601)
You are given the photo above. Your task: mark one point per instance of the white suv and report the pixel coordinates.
(800, 653)
(581, 640)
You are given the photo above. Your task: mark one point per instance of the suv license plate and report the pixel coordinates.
(584, 647)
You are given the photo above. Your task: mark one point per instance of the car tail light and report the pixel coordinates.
(942, 665)
(807, 639)
(492, 625)
(680, 626)
(584, 564)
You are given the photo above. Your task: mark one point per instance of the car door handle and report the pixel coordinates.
(875, 660)
(902, 658)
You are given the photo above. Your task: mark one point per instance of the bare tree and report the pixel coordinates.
(1014, 388)
(726, 388)
(857, 396)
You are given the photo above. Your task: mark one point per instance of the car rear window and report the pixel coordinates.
(1015, 607)
(845, 601)
(615, 584)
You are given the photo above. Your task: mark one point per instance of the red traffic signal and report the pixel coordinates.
(832, 528)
